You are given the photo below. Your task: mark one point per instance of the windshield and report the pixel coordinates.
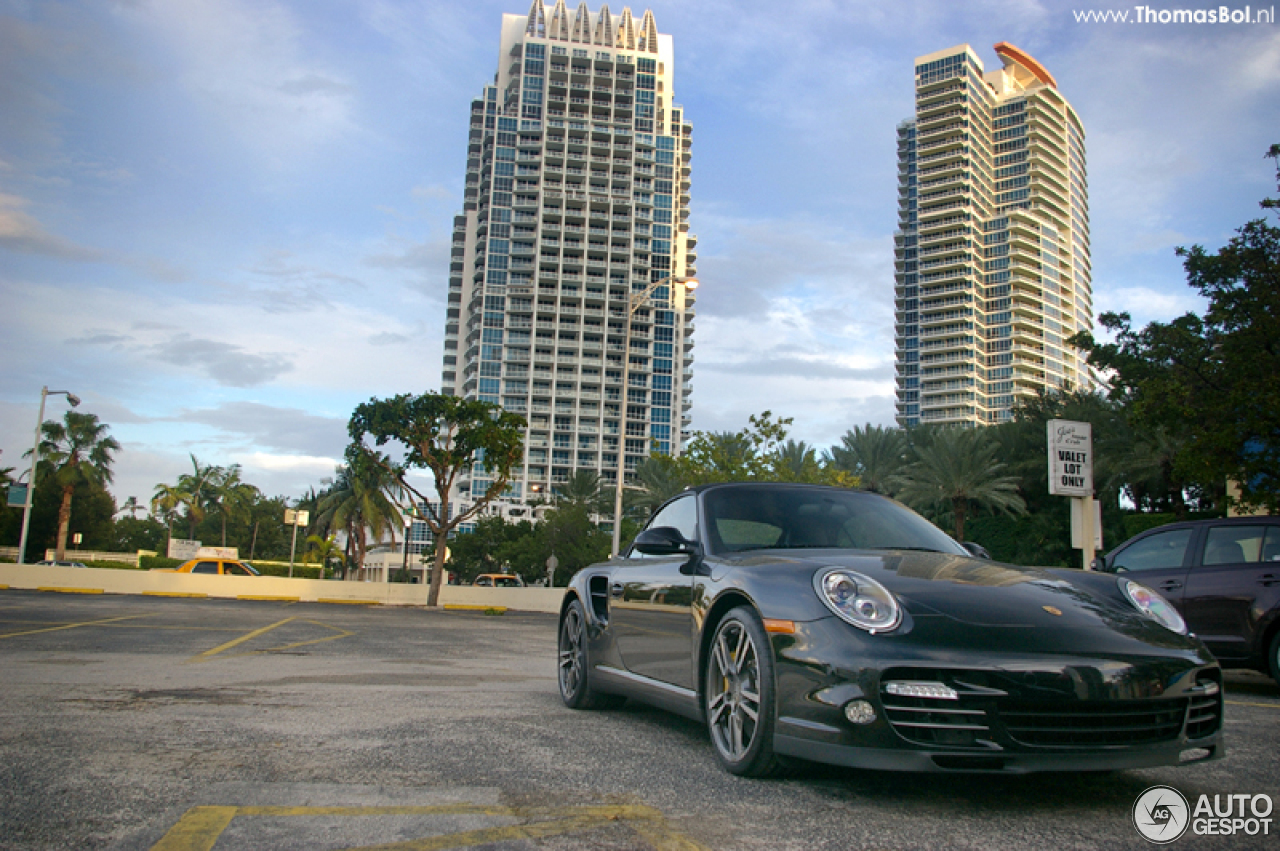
(767, 517)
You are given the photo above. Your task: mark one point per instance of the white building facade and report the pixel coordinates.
(577, 200)
(992, 263)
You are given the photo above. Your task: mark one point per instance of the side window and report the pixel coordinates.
(1234, 544)
(205, 567)
(1160, 551)
(681, 515)
(235, 569)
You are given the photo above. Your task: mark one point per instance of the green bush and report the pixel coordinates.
(110, 565)
(300, 570)
(154, 562)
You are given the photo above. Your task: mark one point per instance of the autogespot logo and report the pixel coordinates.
(1161, 814)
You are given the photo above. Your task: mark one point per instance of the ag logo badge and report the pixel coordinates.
(1161, 814)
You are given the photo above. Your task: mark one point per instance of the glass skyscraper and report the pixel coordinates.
(577, 199)
(992, 268)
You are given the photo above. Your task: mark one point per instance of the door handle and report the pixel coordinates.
(1268, 579)
(1170, 585)
(615, 590)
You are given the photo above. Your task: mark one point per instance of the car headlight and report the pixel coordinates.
(858, 599)
(1153, 606)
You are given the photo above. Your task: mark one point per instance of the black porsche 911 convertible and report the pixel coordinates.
(839, 626)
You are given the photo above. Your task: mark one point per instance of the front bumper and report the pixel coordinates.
(1091, 705)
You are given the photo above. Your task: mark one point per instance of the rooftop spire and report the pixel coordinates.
(604, 27)
(537, 20)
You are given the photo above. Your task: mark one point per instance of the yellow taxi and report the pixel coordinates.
(499, 580)
(217, 566)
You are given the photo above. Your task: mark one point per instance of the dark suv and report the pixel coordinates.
(1222, 575)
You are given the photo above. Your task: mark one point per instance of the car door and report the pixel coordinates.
(1159, 560)
(1233, 585)
(650, 604)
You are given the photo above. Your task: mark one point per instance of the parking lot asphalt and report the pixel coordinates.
(177, 724)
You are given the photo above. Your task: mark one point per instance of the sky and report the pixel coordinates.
(225, 223)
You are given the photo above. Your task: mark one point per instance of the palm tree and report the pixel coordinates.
(131, 506)
(955, 468)
(164, 504)
(322, 551)
(229, 495)
(796, 461)
(79, 452)
(362, 500)
(660, 479)
(192, 492)
(584, 489)
(872, 453)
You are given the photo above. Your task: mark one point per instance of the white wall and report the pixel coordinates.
(106, 581)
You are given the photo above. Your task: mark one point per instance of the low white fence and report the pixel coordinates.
(89, 580)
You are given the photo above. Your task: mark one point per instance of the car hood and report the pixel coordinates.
(976, 591)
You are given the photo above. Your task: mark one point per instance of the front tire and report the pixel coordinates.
(1273, 657)
(738, 695)
(574, 665)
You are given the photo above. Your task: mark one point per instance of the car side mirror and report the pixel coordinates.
(976, 550)
(665, 541)
(1099, 564)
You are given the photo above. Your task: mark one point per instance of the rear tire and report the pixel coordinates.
(738, 695)
(574, 664)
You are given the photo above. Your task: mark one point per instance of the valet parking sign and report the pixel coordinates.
(1070, 458)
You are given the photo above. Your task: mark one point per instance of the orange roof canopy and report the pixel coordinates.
(1005, 50)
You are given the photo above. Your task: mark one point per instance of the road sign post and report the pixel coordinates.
(1071, 474)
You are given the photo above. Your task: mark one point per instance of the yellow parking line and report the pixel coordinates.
(1246, 703)
(73, 625)
(59, 590)
(269, 598)
(197, 830)
(235, 642)
(200, 827)
(174, 594)
(347, 602)
(488, 610)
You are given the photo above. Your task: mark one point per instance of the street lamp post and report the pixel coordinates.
(45, 393)
(633, 305)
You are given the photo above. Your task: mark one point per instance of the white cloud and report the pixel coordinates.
(21, 232)
(313, 466)
(252, 64)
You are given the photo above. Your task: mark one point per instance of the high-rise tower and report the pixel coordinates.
(992, 268)
(577, 200)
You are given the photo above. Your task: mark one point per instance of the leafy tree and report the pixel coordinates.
(1217, 376)
(449, 436)
(875, 454)
(956, 469)
(130, 534)
(362, 501)
(80, 452)
(746, 455)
